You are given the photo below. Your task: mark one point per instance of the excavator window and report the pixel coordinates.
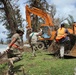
(45, 34)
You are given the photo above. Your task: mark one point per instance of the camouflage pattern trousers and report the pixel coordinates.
(13, 56)
(34, 47)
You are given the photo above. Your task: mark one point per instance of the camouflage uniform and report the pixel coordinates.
(14, 53)
(33, 37)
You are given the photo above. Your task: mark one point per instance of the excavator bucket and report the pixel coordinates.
(72, 52)
(54, 48)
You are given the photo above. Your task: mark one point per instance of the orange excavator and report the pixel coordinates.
(47, 29)
(40, 13)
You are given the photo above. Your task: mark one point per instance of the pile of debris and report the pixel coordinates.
(3, 57)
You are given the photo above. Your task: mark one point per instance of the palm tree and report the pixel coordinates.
(70, 20)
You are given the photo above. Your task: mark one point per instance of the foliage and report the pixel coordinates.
(41, 4)
(2, 68)
(52, 11)
(11, 17)
(67, 25)
(70, 20)
(1, 41)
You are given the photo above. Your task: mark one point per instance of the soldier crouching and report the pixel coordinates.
(14, 49)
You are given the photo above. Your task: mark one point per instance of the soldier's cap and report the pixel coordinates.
(21, 29)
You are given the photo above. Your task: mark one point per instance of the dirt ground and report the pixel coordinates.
(27, 49)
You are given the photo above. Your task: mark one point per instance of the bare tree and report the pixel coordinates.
(52, 11)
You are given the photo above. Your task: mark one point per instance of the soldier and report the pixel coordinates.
(15, 47)
(33, 38)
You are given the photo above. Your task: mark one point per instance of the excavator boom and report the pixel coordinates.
(46, 17)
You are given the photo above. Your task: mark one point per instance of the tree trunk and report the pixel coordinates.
(9, 15)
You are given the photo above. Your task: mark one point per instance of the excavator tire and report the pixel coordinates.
(40, 46)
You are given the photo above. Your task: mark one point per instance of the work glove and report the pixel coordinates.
(7, 49)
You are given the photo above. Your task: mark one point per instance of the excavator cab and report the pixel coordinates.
(45, 32)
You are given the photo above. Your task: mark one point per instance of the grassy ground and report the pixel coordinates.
(42, 64)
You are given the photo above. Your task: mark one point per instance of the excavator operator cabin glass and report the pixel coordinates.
(45, 33)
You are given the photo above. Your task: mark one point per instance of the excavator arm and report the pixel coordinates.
(46, 17)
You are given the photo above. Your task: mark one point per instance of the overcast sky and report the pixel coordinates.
(64, 8)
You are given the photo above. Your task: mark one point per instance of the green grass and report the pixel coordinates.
(44, 64)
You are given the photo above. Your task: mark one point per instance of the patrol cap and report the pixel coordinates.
(21, 29)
